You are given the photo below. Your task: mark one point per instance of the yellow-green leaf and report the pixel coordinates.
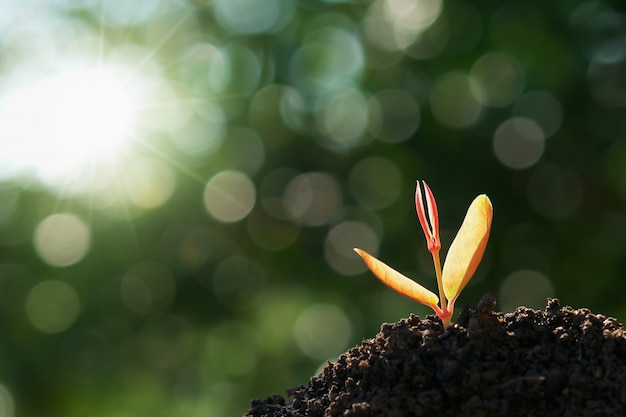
(468, 247)
(398, 282)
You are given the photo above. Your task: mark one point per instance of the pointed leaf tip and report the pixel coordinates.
(468, 247)
(399, 282)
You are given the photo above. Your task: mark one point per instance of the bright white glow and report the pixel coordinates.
(64, 128)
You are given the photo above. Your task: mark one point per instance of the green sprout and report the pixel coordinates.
(463, 257)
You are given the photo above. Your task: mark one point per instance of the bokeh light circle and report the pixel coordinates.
(52, 306)
(395, 24)
(375, 182)
(341, 53)
(518, 142)
(62, 239)
(394, 115)
(339, 244)
(202, 136)
(270, 233)
(453, 102)
(322, 331)
(149, 182)
(342, 115)
(542, 107)
(525, 288)
(272, 192)
(248, 16)
(496, 80)
(313, 198)
(229, 196)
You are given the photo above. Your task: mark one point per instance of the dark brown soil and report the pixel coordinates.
(559, 362)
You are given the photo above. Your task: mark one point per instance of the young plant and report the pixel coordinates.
(463, 257)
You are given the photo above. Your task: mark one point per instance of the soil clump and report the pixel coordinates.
(557, 362)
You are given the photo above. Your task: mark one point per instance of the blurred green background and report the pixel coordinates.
(182, 183)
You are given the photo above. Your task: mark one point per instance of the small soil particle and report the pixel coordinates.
(559, 362)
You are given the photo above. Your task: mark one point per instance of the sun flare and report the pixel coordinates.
(67, 127)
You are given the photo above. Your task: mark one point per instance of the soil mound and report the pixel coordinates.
(559, 362)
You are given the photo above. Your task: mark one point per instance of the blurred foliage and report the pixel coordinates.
(182, 182)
